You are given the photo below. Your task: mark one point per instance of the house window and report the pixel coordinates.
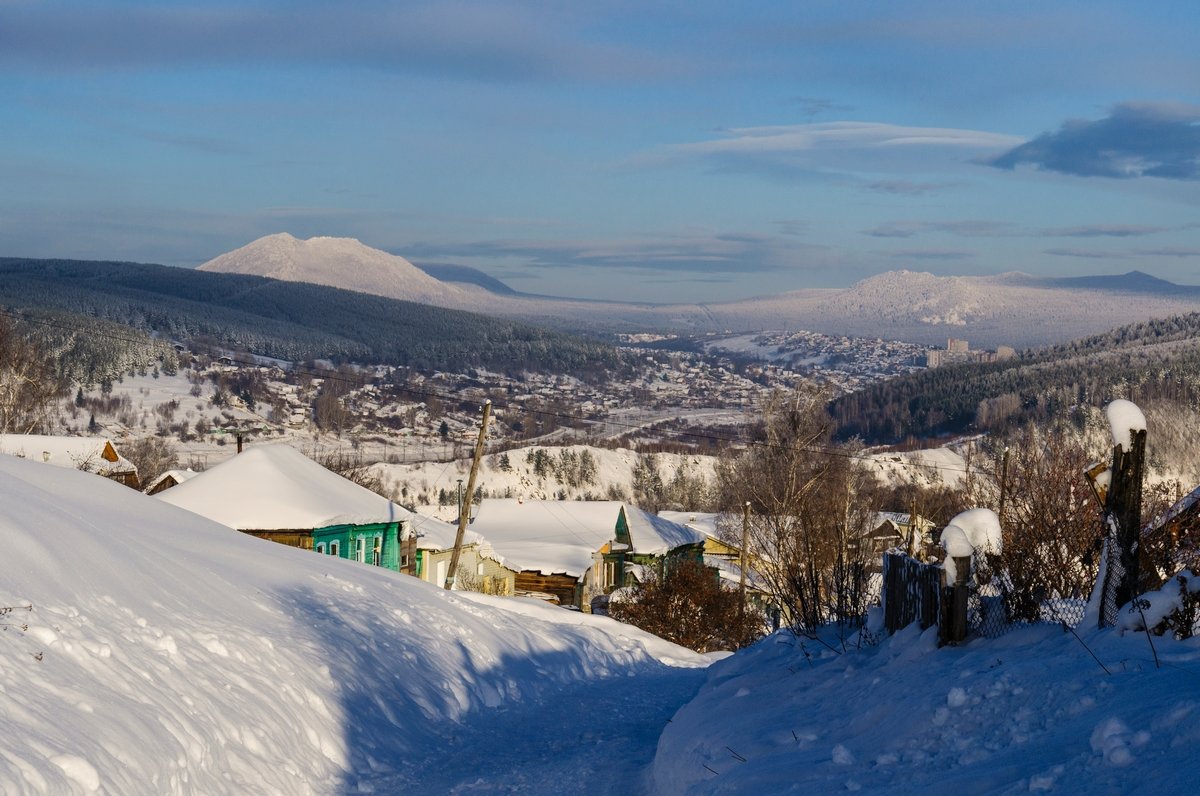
(610, 573)
(404, 560)
(479, 569)
(377, 551)
(360, 550)
(335, 549)
(321, 548)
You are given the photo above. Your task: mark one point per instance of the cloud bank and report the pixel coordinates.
(1136, 139)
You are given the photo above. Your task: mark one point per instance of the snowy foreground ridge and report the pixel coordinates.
(1031, 711)
(168, 654)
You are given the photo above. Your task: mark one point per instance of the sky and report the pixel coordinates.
(656, 151)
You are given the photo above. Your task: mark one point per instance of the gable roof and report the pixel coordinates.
(177, 476)
(91, 454)
(656, 535)
(547, 536)
(276, 487)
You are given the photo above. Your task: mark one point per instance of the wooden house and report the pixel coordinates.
(479, 568)
(167, 480)
(90, 454)
(275, 492)
(643, 540)
(551, 545)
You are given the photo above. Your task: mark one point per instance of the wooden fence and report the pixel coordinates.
(911, 592)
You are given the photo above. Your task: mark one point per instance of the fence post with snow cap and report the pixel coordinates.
(1122, 509)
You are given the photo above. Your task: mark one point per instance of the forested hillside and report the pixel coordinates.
(290, 320)
(1145, 362)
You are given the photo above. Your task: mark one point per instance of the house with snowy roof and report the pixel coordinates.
(168, 479)
(91, 454)
(569, 549)
(479, 567)
(275, 492)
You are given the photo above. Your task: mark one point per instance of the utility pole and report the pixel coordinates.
(742, 567)
(1003, 485)
(465, 512)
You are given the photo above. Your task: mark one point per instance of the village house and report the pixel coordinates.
(90, 454)
(479, 568)
(167, 480)
(275, 492)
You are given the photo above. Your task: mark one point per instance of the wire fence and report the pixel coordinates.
(916, 591)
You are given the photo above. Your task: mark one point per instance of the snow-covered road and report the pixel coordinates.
(596, 738)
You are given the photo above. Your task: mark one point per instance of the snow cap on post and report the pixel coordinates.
(1124, 418)
(956, 544)
(982, 529)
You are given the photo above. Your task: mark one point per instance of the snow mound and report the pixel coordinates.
(1029, 711)
(1124, 418)
(165, 653)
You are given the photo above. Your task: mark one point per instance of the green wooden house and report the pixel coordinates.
(275, 492)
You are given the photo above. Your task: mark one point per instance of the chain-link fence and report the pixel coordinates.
(916, 591)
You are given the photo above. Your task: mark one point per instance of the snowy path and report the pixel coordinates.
(597, 738)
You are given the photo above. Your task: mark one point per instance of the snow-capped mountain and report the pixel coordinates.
(338, 262)
(1013, 308)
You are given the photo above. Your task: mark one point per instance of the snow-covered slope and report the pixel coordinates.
(167, 654)
(1031, 711)
(338, 262)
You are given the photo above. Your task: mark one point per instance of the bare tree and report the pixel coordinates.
(810, 503)
(152, 456)
(1049, 518)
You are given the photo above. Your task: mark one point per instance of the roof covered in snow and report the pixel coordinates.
(548, 536)
(656, 535)
(276, 487)
(703, 521)
(91, 454)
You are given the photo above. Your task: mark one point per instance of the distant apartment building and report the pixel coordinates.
(960, 351)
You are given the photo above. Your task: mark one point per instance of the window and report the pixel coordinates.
(377, 551)
(321, 548)
(335, 549)
(404, 560)
(610, 573)
(359, 549)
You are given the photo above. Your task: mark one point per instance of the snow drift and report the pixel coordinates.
(165, 653)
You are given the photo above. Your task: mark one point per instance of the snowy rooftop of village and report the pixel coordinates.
(275, 487)
(76, 453)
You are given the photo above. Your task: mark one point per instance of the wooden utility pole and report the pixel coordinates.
(742, 567)
(1003, 485)
(465, 512)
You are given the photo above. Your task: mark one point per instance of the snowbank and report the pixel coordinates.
(1028, 712)
(166, 653)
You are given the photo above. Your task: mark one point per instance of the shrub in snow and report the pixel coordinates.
(1175, 607)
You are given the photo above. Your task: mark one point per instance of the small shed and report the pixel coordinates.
(275, 492)
(91, 454)
(167, 480)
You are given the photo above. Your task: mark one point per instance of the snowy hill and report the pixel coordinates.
(1005, 309)
(337, 262)
(164, 653)
(1030, 711)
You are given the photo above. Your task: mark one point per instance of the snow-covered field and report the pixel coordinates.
(166, 654)
(1031, 711)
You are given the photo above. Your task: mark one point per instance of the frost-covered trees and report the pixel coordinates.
(29, 384)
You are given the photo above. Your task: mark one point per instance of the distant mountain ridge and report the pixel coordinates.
(1013, 308)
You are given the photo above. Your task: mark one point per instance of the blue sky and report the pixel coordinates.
(666, 151)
